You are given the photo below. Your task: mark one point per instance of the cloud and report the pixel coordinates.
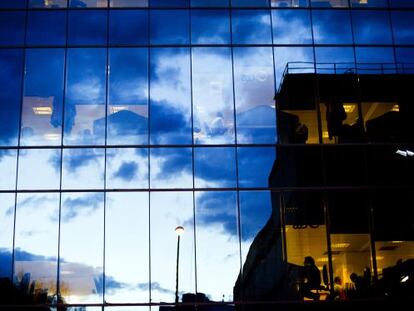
(84, 204)
(127, 171)
(74, 159)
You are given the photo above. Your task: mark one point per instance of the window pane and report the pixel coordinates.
(370, 3)
(213, 96)
(218, 262)
(371, 27)
(375, 60)
(210, 27)
(13, 4)
(209, 169)
(405, 59)
(299, 60)
(170, 3)
(255, 165)
(88, 3)
(12, 26)
(291, 27)
(403, 24)
(81, 247)
(83, 169)
(128, 27)
(290, 3)
(43, 97)
(128, 97)
(171, 168)
(167, 211)
(335, 60)
(251, 27)
(85, 96)
(331, 27)
(170, 27)
(36, 249)
(254, 90)
(46, 28)
(48, 4)
(129, 3)
(87, 27)
(329, 3)
(127, 247)
(39, 169)
(8, 160)
(250, 3)
(126, 168)
(7, 201)
(401, 4)
(11, 64)
(170, 93)
(209, 3)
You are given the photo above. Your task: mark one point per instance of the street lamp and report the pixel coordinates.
(179, 230)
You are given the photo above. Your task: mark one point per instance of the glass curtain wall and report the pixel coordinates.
(121, 120)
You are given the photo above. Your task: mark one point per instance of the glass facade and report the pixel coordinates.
(123, 119)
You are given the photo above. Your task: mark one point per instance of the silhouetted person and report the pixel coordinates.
(312, 279)
(335, 115)
(339, 289)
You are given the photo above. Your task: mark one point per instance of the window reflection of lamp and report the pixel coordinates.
(46, 110)
(395, 108)
(52, 136)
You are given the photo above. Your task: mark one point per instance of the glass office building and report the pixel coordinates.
(123, 119)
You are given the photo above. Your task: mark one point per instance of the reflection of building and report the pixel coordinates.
(347, 203)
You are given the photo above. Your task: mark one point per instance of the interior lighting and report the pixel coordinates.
(349, 108)
(42, 110)
(340, 245)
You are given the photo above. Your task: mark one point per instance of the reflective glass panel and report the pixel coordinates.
(255, 210)
(12, 25)
(88, 3)
(291, 27)
(250, 3)
(7, 202)
(170, 93)
(405, 59)
(128, 3)
(329, 3)
(209, 3)
(167, 211)
(255, 165)
(292, 60)
(254, 90)
(375, 60)
(213, 96)
(127, 116)
(39, 169)
(251, 26)
(335, 60)
(127, 27)
(13, 4)
(81, 247)
(210, 27)
(171, 168)
(170, 27)
(331, 27)
(46, 28)
(127, 247)
(170, 3)
(371, 27)
(85, 96)
(48, 4)
(87, 27)
(369, 3)
(11, 64)
(126, 168)
(36, 248)
(83, 169)
(216, 220)
(41, 122)
(289, 3)
(8, 160)
(215, 167)
(401, 4)
(403, 24)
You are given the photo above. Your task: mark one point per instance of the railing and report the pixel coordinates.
(346, 68)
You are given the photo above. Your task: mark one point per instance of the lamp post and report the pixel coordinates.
(179, 230)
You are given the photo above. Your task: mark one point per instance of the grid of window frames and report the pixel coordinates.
(123, 119)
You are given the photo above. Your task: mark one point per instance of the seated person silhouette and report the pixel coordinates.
(312, 279)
